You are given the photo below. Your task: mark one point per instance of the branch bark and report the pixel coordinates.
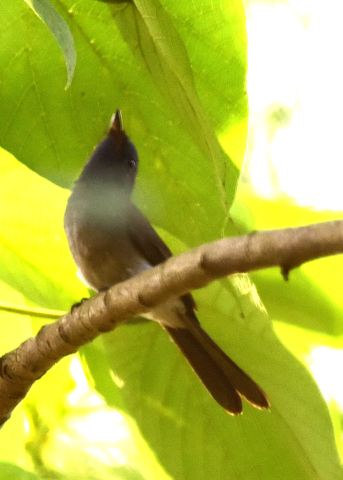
(287, 248)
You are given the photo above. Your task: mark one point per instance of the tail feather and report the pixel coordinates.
(212, 377)
(224, 380)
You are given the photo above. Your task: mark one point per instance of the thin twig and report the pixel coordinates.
(31, 311)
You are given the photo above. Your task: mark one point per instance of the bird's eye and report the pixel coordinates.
(132, 163)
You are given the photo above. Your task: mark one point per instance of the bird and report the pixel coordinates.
(111, 240)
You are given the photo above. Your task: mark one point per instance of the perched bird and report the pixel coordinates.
(111, 240)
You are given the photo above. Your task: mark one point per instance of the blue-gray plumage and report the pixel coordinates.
(111, 240)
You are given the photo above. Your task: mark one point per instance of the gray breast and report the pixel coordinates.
(101, 245)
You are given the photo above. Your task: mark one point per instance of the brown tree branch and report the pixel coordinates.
(287, 248)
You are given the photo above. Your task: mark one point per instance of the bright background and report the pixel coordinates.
(295, 148)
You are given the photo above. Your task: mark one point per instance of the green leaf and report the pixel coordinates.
(59, 28)
(164, 55)
(33, 249)
(12, 471)
(173, 409)
(173, 125)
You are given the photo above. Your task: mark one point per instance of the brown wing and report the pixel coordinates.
(151, 246)
(146, 240)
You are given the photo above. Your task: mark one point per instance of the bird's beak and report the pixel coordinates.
(117, 122)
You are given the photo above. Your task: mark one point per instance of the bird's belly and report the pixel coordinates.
(169, 314)
(104, 260)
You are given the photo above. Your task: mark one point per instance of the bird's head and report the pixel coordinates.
(114, 161)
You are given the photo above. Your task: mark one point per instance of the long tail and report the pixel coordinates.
(224, 380)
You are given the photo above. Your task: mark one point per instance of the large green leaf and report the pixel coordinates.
(53, 131)
(191, 435)
(32, 237)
